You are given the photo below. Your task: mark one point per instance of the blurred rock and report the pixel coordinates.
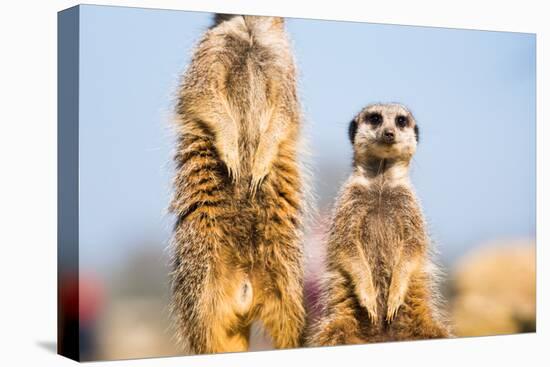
(135, 322)
(495, 289)
(136, 328)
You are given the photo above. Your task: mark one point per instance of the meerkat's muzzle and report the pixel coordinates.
(388, 136)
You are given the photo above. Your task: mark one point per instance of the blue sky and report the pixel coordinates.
(472, 92)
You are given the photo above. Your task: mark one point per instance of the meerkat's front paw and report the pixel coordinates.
(231, 160)
(259, 173)
(395, 300)
(228, 150)
(368, 300)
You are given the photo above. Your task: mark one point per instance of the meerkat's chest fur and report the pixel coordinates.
(387, 213)
(389, 223)
(387, 210)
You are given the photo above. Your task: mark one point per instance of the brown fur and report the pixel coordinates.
(238, 199)
(379, 284)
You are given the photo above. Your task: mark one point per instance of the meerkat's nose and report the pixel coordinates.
(389, 135)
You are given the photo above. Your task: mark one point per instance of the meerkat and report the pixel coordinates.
(239, 190)
(380, 281)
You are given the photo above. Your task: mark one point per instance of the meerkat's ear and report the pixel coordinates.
(352, 130)
(417, 133)
(219, 18)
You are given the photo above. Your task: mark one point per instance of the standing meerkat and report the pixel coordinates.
(237, 243)
(379, 284)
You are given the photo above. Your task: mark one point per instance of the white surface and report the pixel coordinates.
(28, 181)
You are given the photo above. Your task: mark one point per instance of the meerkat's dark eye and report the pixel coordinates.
(375, 118)
(401, 121)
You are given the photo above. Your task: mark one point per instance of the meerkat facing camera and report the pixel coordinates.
(237, 244)
(380, 281)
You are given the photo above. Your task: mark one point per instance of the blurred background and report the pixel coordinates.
(473, 95)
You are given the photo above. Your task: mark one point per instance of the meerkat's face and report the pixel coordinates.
(386, 131)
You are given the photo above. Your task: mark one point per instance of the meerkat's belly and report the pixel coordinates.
(385, 232)
(251, 253)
